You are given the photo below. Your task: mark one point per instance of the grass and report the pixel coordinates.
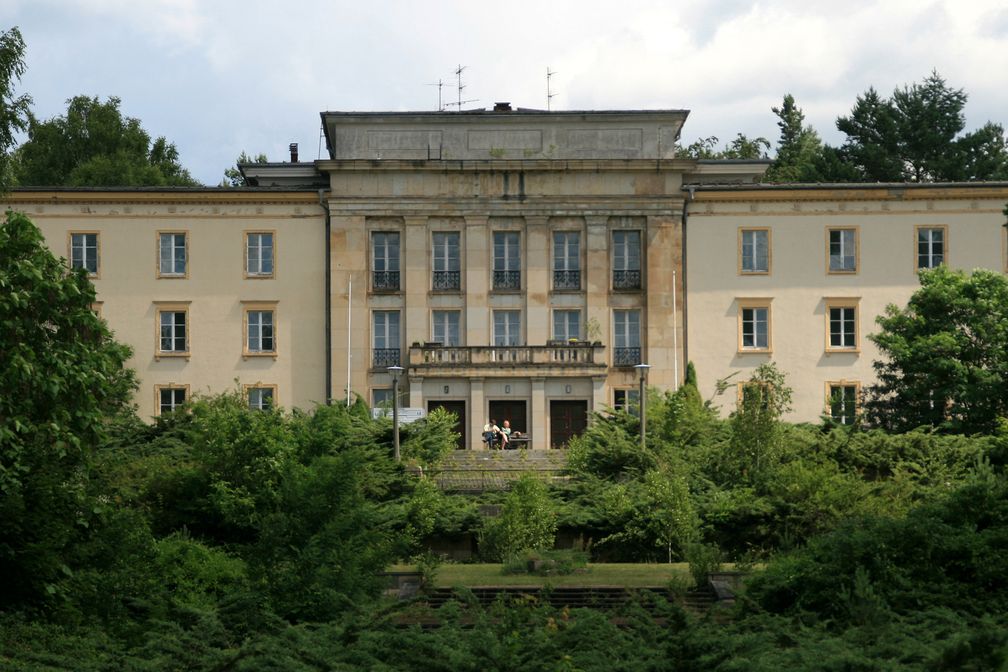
(601, 574)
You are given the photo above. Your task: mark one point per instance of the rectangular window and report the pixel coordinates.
(930, 246)
(566, 260)
(507, 327)
(382, 397)
(261, 397)
(507, 260)
(626, 337)
(260, 331)
(842, 401)
(170, 397)
(447, 261)
(754, 326)
(754, 251)
(172, 254)
(260, 249)
(626, 260)
(385, 261)
(842, 325)
(386, 338)
(566, 324)
(842, 250)
(84, 252)
(445, 327)
(173, 334)
(626, 400)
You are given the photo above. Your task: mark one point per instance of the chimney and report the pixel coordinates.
(502, 107)
(293, 151)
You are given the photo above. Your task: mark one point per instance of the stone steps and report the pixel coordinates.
(476, 471)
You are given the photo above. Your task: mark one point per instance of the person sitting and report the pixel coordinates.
(505, 433)
(491, 434)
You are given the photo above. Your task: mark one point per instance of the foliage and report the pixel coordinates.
(94, 145)
(561, 562)
(703, 559)
(756, 420)
(742, 147)
(527, 521)
(62, 376)
(431, 439)
(15, 111)
(233, 176)
(946, 355)
(798, 148)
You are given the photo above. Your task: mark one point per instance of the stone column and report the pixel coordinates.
(540, 414)
(477, 277)
(416, 392)
(537, 285)
(599, 397)
(477, 412)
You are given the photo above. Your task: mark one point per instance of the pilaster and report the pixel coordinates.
(540, 415)
(476, 265)
(537, 265)
(477, 412)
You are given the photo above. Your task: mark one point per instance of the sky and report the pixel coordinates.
(218, 77)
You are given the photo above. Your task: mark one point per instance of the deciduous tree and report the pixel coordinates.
(14, 110)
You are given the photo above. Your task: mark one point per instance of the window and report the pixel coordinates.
(447, 264)
(507, 260)
(170, 397)
(260, 329)
(754, 325)
(566, 260)
(385, 261)
(566, 324)
(842, 250)
(842, 401)
(626, 338)
(172, 254)
(626, 260)
(261, 397)
(84, 251)
(386, 338)
(507, 327)
(754, 251)
(173, 331)
(841, 324)
(626, 400)
(382, 397)
(260, 250)
(930, 246)
(753, 392)
(445, 328)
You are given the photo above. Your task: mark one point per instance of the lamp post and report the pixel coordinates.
(395, 371)
(641, 400)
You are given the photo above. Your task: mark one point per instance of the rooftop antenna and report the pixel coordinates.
(458, 74)
(439, 84)
(549, 91)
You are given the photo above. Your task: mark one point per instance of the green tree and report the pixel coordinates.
(946, 355)
(62, 375)
(14, 111)
(527, 521)
(742, 147)
(233, 176)
(798, 149)
(755, 424)
(94, 145)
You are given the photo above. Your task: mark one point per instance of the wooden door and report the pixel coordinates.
(567, 419)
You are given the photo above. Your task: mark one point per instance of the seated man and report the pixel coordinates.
(491, 434)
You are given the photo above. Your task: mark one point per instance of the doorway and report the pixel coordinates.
(458, 408)
(512, 410)
(567, 419)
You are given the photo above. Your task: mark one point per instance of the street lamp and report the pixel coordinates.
(642, 370)
(395, 372)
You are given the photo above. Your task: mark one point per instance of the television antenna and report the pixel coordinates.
(461, 86)
(549, 91)
(440, 85)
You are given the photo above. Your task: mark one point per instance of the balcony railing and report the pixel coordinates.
(566, 279)
(447, 280)
(507, 279)
(385, 357)
(567, 355)
(626, 279)
(626, 356)
(385, 281)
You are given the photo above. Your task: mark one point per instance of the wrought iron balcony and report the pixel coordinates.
(573, 358)
(507, 279)
(626, 356)
(626, 279)
(566, 279)
(385, 281)
(385, 357)
(447, 280)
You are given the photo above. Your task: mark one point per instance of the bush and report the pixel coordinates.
(527, 521)
(560, 562)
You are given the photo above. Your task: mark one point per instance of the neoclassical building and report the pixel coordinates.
(516, 264)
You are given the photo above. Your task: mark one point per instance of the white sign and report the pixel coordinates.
(406, 415)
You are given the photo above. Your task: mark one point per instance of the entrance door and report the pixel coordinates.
(512, 410)
(458, 408)
(567, 419)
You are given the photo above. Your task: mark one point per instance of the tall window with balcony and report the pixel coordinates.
(386, 338)
(626, 337)
(566, 324)
(385, 261)
(626, 260)
(507, 260)
(566, 260)
(507, 327)
(447, 262)
(445, 327)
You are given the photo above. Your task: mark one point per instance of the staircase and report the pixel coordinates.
(479, 470)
